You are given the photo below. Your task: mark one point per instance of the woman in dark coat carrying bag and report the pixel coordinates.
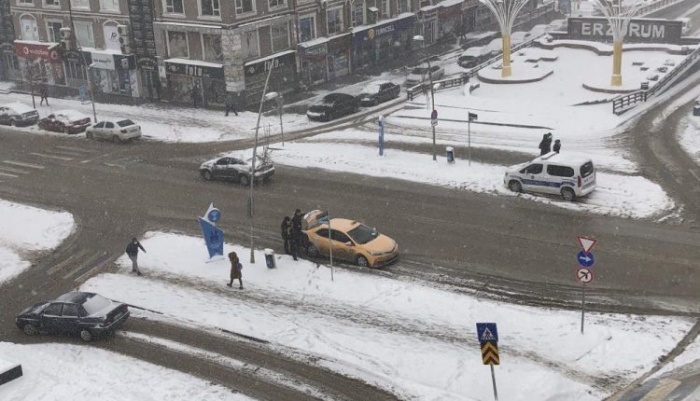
(236, 268)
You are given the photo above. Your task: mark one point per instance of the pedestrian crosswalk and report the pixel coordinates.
(82, 265)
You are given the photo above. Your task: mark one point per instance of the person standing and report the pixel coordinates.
(132, 250)
(230, 104)
(236, 269)
(557, 145)
(44, 95)
(285, 233)
(195, 94)
(296, 234)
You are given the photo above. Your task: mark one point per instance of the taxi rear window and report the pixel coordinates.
(587, 169)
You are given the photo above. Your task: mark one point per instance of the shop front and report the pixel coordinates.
(40, 63)
(382, 42)
(450, 18)
(193, 80)
(313, 57)
(113, 75)
(148, 69)
(9, 63)
(283, 80)
(339, 48)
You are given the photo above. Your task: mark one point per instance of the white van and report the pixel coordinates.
(687, 26)
(568, 176)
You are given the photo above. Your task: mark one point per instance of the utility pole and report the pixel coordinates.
(432, 99)
(76, 44)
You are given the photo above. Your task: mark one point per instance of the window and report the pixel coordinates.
(80, 4)
(587, 169)
(386, 8)
(358, 13)
(53, 31)
(403, 6)
(109, 5)
(83, 33)
(177, 44)
(109, 125)
(29, 29)
(53, 310)
(280, 36)
(307, 28)
(363, 234)
(210, 8)
(76, 71)
(174, 7)
(276, 3)
(244, 6)
(335, 20)
(560, 171)
(249, 44)
(532, 169)
(25, 2)
(54, 3)
(323, 233)
(212, 47)
(100, 125)
(338, 236)
(70, 310)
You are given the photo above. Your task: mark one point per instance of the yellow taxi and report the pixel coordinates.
(350, 241)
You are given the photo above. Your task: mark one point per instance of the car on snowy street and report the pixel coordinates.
(379, 91)
(473, 56)
(83, 313)
(66, 121)
(234, 169)
(350, 240)
(116, 131)
(567, 175)
(18, 114)
(333, 105)
(420, 74)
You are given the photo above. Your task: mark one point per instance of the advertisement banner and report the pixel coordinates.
(639, 30)
(213, 237)
(103, 61)
(33, 51)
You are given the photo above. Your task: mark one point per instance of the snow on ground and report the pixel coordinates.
(689, 136)
(416, 340)
(40, 230)
(72, 372)
(689, 357)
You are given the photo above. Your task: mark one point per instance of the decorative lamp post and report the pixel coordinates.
(505, 11)
(618, 13)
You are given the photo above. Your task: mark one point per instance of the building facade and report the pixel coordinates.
(9, 65)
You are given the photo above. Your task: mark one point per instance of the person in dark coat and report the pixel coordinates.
(296, 234)
(195, 94)
(546, 144)
(231, 103)
(44, 95)
(286, 236)
(236, 269)
(557, 145)
(132, 250)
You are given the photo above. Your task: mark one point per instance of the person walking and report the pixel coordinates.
(296, 234)
(132, 250)
(286, 225)
(557, 145)
(44, 95)
(230, 104)
(236, 269)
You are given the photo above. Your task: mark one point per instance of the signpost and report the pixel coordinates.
(434, 118)
(585, 258)
(380, 124)
(488, 337)
(471, 117)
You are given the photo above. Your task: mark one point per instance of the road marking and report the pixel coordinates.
(74, 149)
(13, 170)
(8, 175)
(61, 265)
(23, 164)
(81, 266)
(694, 174)
(661, 391)
(52, 156)
(87, 274)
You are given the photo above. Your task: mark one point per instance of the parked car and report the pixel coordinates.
(495, 47)
(419, 74)
(653, 77)
(18, 114)
(67, 121)
(553, 173)
(663, 68)
(559, 25)
(538, 30)
(115, 131)
(231, 168)
(379, 91)
(473, 56)
(519, 37)
(333, 105)
(351, 241)
(84, 313)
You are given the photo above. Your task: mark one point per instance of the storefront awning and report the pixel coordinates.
(33, 50)
(386, 27)
(314, 42)
(277, 60)
(194, 68)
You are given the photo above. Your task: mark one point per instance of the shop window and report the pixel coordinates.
(334, 17)
(358, 13)
(84, 4)
(280, 36)
(249, 44)
(11, 62)
(177, 44)
(174, 7)
(76, 71)
(109, 5)
(276, 3)
(53, 31)
(403, 6)
(29, 29)
(212, 48)
(245, 6)
(84, 34)
(209, 8)
(307, 28)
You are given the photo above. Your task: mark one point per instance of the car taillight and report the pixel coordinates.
(579, 181)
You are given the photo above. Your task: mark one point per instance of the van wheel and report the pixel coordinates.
(568, 194)
(515, 186)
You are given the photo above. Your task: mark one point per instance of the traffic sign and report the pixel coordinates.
(585, 259)
(489, 353)
(433, 122)
(434, 115)
(584, 275)
(487, 332)
(586, 243)
(214, 215)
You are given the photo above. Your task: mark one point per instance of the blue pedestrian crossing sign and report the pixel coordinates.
(585, 259)
(487, 332)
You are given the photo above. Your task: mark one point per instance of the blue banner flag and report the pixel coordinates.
(213, 237)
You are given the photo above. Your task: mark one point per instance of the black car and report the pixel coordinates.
(83, 313)
(379, 91)
(333, 105)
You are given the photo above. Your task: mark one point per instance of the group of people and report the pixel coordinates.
(546, 144)
(292, 235)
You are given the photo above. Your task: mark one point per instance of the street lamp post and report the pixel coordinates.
(419, 38)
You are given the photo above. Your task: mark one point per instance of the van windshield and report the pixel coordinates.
(587, 169)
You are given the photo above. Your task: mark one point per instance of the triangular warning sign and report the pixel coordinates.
(487, 335)
(586, 243)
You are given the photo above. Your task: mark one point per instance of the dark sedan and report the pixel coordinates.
(17, 114)
(83, 313)
(67, 121)
(333, 105)
(379, 91)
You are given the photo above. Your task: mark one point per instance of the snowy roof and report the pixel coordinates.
(19, 107)
(36, 42)
(71, 115)
(270, 57)
(564, 158)
(314, 42)
(183, 24)
(363, 28)
(450, 3)
(193, 62)
(93, 50)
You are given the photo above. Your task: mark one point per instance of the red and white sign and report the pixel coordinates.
(586, 243)
(34, 51)
(584, 275)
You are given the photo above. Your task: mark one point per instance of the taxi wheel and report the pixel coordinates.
(312, 250)
(362, 261)
(568, 194)
(515, 186)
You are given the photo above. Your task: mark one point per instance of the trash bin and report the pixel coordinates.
(645, 85)
(450, 154)
(270, 258)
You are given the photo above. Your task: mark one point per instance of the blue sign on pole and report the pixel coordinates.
(487, 332)
(585, 259)
(214, 215)
(213, 237)
(380, 123)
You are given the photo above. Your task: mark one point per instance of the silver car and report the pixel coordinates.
(115, 131)
(16, 114)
